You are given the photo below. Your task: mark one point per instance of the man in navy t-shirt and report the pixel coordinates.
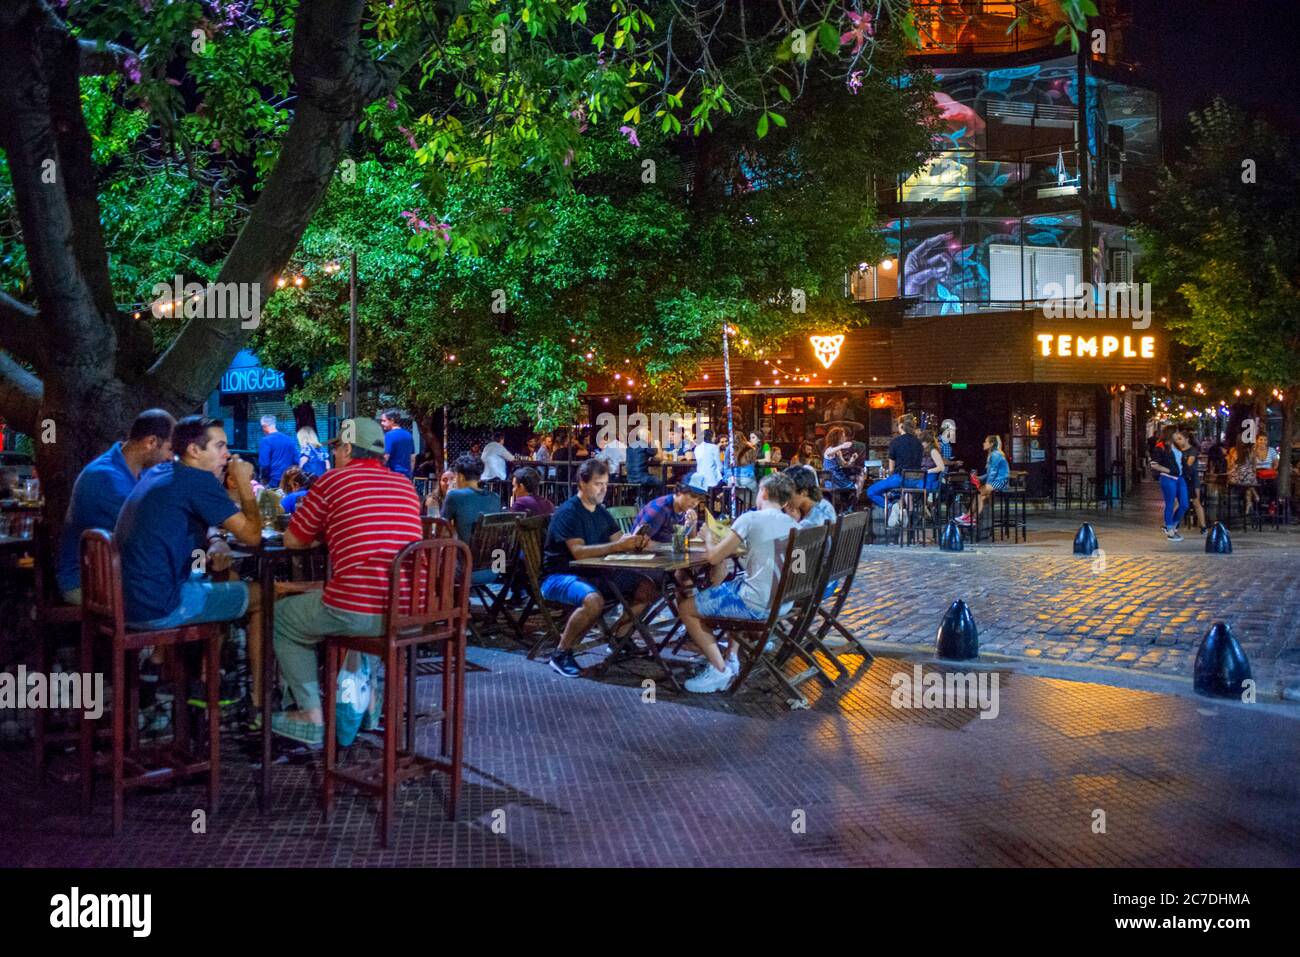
(166, 519)
(399, 446)
(583, 528)
(275, 453)
(103, 486)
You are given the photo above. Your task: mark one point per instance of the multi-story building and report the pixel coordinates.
(1027, 197)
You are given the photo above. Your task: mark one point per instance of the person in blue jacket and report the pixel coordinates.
(1167, 461)
(997, 473)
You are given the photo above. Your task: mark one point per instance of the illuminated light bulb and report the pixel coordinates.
(630, 382)
(1236, 392)
(573, 340)
(607, 400)
(280, 282)
(451, 358)
(887, 265)
(1250, 392)
(137, 315)
(758, 382)
(706, 375)
(588, 355)
(618, 375)
(628, 397)
(1182, 386)
(297, 280)
(626, 361)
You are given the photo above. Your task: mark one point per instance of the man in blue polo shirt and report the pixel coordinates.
(103, 486)
(166, 519)
(275, 453)
(399, 446)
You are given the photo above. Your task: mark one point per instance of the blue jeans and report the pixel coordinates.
(202, 600)
(877, 491)
(1175, 492)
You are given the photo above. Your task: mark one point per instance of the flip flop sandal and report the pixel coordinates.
(304, 732)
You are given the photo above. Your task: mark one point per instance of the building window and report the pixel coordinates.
(868, 282)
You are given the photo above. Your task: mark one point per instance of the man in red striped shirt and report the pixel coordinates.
(366, 513)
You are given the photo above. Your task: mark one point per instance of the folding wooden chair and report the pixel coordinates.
(532, 540)
(800, 573)
(624, 515)
(843, 552)
(428, 604)
(494, 545)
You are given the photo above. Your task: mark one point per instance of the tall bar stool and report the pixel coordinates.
(54, 620)
(102, 620)
(428, 604)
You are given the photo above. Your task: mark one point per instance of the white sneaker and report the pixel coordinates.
(711, 679)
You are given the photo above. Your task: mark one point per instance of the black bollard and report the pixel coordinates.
(1221, 665)
(1218, 541)
(950, 539)
(1085, 540)
(958, 639)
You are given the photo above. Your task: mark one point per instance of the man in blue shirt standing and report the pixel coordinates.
(275, 453)
(103, 486)
(399, 446)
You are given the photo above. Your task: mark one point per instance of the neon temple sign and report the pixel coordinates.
(1075, 346)
(826, 348)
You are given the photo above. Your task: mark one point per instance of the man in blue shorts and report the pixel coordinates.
(583, 528)
(761, 531)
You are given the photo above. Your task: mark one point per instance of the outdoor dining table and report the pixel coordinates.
(269, 556)
(660, 565)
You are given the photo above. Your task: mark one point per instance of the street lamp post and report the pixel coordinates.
(352, 333)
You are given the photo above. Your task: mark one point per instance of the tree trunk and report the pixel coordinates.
(1289, 432)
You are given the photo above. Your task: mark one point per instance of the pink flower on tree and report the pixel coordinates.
(861, 29)
(444, 231)
(131, 66)
(392, 103)
(854, 82)
(630, 133)
(410, 137)
(416, 223)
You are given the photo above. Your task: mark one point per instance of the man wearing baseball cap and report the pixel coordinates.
(658, 516)
(366, 514)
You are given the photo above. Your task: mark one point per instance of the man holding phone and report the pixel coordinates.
(658, 516)
(583, 528)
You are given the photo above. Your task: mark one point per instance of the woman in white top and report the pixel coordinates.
(708, 462)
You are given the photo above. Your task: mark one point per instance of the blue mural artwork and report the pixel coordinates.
(1007, 147)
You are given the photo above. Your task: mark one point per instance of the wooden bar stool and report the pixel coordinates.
(103, 620)
(54, 620)
(428, 604)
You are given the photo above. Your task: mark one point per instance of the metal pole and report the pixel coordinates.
(352, 334)
(1085, 159)
(446, 449)
(731, 431)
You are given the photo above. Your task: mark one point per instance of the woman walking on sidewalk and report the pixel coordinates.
(1167, 462)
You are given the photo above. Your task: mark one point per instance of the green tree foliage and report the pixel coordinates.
(1223, 257)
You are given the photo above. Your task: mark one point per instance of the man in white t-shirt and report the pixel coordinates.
(708, 462)
(762, 532)
(495, 456)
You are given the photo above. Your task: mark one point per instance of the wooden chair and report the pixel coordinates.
(102, 620)
(624, 515)
(428, 604)
(843, 553)
(800, 573)
(532, 541)
(54, 620)
(494, 545)
(435, 527)
(720, 499)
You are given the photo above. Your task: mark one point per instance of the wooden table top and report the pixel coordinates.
(661, 559)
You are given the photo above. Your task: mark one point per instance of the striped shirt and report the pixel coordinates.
(366, 514)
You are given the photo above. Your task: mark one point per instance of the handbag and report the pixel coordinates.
(1266, 474)
(354, 696)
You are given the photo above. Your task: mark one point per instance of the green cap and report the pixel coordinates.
(362, 434)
